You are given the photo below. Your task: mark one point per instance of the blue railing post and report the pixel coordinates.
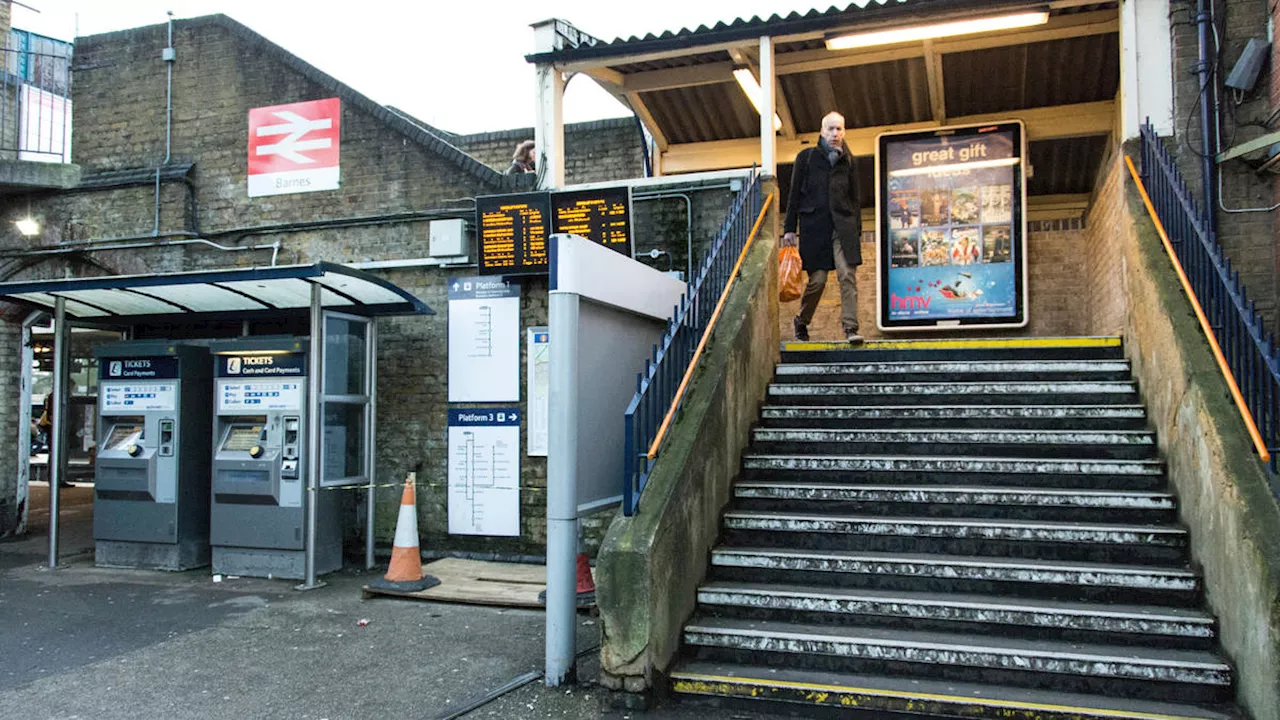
(663, 372)
(1248, 347)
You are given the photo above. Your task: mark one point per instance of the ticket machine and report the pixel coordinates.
(259, 473)
(151, 475)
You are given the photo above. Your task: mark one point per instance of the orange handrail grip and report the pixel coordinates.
(1241, 405)
(711, 324)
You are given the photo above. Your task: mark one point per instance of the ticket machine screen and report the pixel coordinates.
(123, 435)
(242, 437)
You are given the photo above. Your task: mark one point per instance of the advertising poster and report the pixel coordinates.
(951, 216)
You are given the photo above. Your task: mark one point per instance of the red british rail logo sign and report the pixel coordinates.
(294, 148)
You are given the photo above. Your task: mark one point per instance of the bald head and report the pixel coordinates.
(833, 129)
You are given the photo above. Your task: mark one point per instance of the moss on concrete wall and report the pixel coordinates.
(1225, 495)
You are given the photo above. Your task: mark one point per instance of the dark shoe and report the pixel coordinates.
(802, 330)
(854, 338)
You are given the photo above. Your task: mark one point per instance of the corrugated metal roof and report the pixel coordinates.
(1067, 166)
(1058, 72)
(792, 23)
(703, 113)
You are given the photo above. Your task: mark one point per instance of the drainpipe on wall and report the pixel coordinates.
(167, 55)
(1204, 68)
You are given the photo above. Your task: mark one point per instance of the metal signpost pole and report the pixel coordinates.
(315, 367)
(57, 415)
(371, 434)
(562, 490)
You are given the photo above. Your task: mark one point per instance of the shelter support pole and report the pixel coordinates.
(768, 108)
(371, 437)
(58, 415)
(548, 131)
(315, 363)
(562, 490)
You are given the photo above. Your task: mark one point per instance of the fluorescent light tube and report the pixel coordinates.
(751, 88)
(1000, 162)
(927, 32)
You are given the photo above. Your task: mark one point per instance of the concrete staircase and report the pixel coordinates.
(972, 531)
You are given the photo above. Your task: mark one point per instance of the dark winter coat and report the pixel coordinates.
(824, 200)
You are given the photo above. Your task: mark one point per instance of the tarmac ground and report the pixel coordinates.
(100, 644)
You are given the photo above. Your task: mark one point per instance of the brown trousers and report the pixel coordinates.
(848, 293)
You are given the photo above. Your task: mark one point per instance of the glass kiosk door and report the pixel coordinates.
(259, 507)
(262, 518)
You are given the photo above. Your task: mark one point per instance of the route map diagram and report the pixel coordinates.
(484, 471)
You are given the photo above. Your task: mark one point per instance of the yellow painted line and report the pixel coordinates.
(820, 693)
(1077, 342)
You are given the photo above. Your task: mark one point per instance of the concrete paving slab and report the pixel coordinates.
(87, 642)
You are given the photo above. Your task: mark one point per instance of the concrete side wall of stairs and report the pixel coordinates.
(649, 565)
(1226, 498)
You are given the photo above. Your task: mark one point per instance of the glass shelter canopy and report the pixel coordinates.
(341, 303)
(128, 299)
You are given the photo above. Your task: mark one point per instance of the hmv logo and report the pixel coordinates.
(910, 302)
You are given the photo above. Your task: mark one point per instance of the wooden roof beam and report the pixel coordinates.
(937, 89)
(1046, 123)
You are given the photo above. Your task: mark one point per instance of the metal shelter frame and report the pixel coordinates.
(240, 294)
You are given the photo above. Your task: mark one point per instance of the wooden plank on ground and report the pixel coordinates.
(475, 582)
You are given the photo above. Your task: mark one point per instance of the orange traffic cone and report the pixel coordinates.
(585, 582)
(405, 571)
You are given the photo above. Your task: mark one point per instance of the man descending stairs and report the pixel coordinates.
(964, 532)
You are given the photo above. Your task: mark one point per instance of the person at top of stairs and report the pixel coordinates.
(824, 204)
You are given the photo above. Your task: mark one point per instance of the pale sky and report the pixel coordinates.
(455, 64)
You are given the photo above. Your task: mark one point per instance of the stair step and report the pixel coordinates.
(937, 371)
(1115, 474)
(978, 393)
(1099, 499)
(1047, 417)
(968, 349)
(807, 691)
(1033, 661)
(979, 528)
(1119, 444)
(1172, 585)
(1137, 623)
(951, 500)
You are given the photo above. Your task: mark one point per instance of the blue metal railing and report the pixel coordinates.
(1248, 348)
(664, 370)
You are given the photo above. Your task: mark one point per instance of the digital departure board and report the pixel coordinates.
(601, 215)
(513, 232)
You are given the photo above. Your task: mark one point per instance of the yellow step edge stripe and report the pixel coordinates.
(691, 684)
(956, 344)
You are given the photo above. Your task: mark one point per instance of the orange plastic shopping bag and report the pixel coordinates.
(790, 274)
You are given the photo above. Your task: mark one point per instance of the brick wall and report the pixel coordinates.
(596, 151)
(1247, 237)
(1058, 276)
(1104, 253)
(222, 71)
(6, 10)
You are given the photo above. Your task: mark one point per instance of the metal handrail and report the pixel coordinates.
(1245, 351)
(35, 105)
(702, 344)
(1241, 405)
(662, 384)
